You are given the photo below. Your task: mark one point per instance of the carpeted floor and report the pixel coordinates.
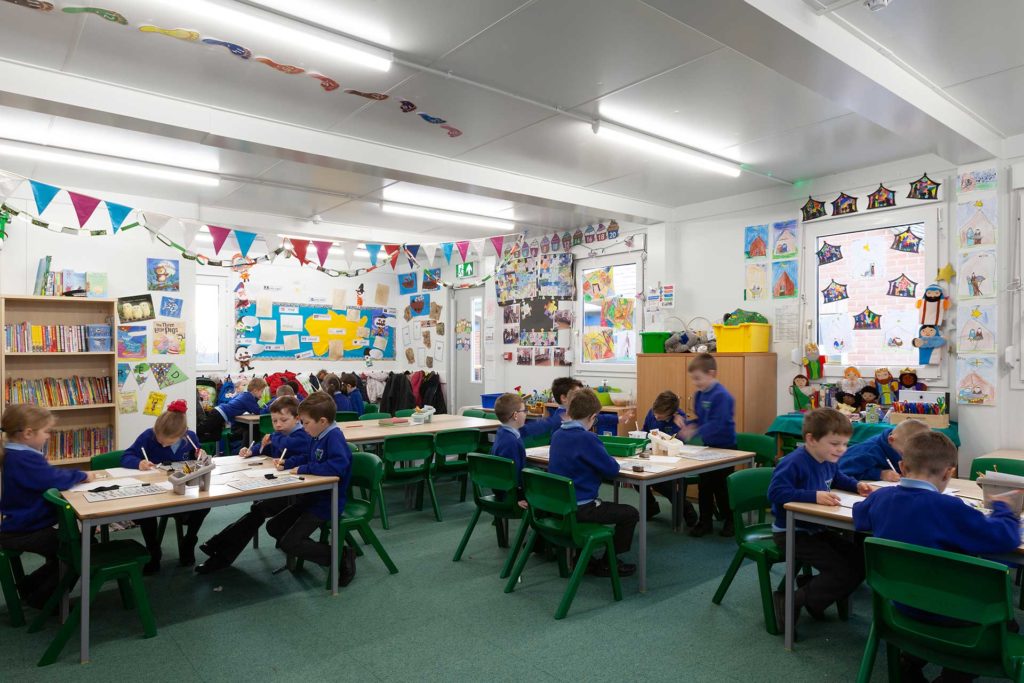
(442, 621)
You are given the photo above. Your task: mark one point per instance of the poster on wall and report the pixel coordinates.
(977, 328)
(171, 307)
(785, 243)
(407, 283)
(755, 241)
(756, 282)
(134, 309)
(976, 276)
(785, 279)
(168, 338)
(131, 341)
(548, 275)
(976, 385)
(162, 275)
(976, 219)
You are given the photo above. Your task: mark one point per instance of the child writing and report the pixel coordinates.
(288, 437)
(350, 387)
(716, 427)
(332, 386)
(169, 440)
(329, 455)
(224, 414)
(26, 519)
(577, 453)
(666, 416)
(879, 458)
(916, 511)
(808, 475)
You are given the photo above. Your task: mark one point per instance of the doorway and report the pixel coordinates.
(467, 325)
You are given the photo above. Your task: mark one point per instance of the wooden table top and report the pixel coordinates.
(1005, 453)
(370, 430)
(248, 418)
(217, 491)
(682, 465)
(965, 489)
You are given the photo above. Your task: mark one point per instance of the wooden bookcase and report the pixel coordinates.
(53, 310)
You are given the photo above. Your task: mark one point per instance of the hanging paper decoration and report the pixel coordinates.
(392, 251)
(463, 248)
(613, 230)
(867, 320)
(237, 50)
(881, 198)
(323, 248)
(43, 194)
(497, 243)
(946, 273)
(283, 68)
(829, 253)
(447, 247)
(328, 84)
(219, 234)
(567, 241)
(374, 249)
(924, 188)
(118, 212)
(109, 15)
(602, 232)
(906, 241)
(8, 184)
(556, 243)
(299, 247)
(813, 209)
(179, 33)
(544, 246)
(902, 286)
(34, 4)
(534, 248)
(245, 240)
(844, 204)
(577, 237)
(84, 206)
(834, 292)
(588, 235)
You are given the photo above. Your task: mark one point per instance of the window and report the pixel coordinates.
(609, 316)
(476, 346)
(211, 339)
(868, 275)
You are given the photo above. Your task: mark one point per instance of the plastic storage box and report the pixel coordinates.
(623, 446)
(487, 400)
(743, 338)
(654, 342)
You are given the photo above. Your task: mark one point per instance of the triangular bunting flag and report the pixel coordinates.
(322, 249)
(245, 240)
(392, 252)
(463, 249)
(347, 253)
(8, 184)
(155, 222)
(300, 247)
(498, 243)
(479, 245)
(374, 249)
(411, 251)
(44, 194)
(427, 255)
(84, 206)
(118, 212)
(191, 230)
(273, 243)
(447, 249)
(219, 234)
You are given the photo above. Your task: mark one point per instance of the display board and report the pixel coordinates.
(310, 331)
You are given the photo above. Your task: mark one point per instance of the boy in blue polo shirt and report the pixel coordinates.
(329, 456)
(870, 460)
(508, 443)
(350, 387)
(666, 416)
(577, 453)
(212, 422)
(561, 387)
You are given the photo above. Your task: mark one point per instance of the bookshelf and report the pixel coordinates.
(40, 365)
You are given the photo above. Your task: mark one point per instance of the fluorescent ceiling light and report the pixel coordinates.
(276, 27)
(348, 21)
(447, 200)
(667, 149)
(108, 164)
(448, 217)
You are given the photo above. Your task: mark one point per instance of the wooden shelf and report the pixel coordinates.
(84, 406)
(69, 461)
(58, 353)
(82, 299)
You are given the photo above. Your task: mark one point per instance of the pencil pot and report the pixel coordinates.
(996, 483)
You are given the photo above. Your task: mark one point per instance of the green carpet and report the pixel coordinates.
(442, 621)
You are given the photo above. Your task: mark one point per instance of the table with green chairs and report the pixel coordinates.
(367, 432)
(790, 425)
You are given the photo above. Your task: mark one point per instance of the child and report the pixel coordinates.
(870, 460)
(329, 455)
(224, 414)
(350, 387)
(169, 440)
(282, 391)
(288, 435)
(560, 390)
(716, 427)
(808, 475)
(332, 387)
(666, 416)
(27, 523)
(917, 512)
(578, 454)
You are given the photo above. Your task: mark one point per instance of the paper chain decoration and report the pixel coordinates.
(233, 49)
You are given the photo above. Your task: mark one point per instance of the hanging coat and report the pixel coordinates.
(397, 394)
(432, 393)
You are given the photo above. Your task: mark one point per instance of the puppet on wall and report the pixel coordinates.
(886, 386)
(908, 380)
(868, 396)
(929, 338)
(933, 304)
(852, 382)
(804, 395)
(814, 362)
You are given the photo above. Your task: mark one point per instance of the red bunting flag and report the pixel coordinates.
(463, 248)
(219, 234)
(84, 206)
(498, 243)
(299, 247)
(392, 252)
(322, 248)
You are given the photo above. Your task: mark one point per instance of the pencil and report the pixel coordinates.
(145, 456)
(890, 465)
(280, 461)
(192, 443)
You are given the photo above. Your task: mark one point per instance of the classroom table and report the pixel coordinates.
(840, 518)
(657, 473)
(92, 515)
(252, 420)
(791, 424)
(370, 431)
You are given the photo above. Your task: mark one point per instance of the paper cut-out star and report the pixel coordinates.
(946, 273)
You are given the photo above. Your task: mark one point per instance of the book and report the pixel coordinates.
(98, 337)
(41, 270)
(96, 285)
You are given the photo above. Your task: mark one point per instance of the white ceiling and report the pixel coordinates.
(621, 60)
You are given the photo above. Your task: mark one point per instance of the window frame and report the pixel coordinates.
(225, 320)
(581, 366)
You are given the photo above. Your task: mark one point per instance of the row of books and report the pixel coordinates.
(66, 444)
(60, 282)
(26, 337)
(52, 392)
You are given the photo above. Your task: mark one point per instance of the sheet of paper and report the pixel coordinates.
(268, 331)
(663, 459)
(335, 349)
(421, 356)
(126, 481)
(338, 298)
(537, 451)
(352, 315)
(363, 332)
(380, 343)
(381, 294)
(787, 324)
(116, 473)
(291, 342)
(264, 307)
(848, 500)
(406, 338)
(439, 351)
(291, 323)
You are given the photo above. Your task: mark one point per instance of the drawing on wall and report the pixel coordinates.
(755, 241)
(978, 328)
(784, 240)
(162, 275)
(976, 385)
(784, 279)
(868, 257)
(835, 334)
(756, 285)
(976, 274)
(131, 341)
(976, 221)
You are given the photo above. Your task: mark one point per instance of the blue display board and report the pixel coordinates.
(310, 331)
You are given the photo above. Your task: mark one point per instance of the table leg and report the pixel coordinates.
(85, 582)
(335, 541)
(252, 428)
(615, 489)
(642, 554)
(790, 575)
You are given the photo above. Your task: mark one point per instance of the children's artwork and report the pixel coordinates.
(431, 279)
(131, 341)
(380, 295)
(542, 357)
(171, 307)
(510, 314)
(419, 305)
(167, 374)
(127, 402)
(407, 283)
(537, 314)
(560, 357)
(168, 338)
(463, 332)
(534, 337)
(977, 274)
(976, 221)
(350, 334)
(562, 318)
(548, 275)
(597, 284)
(784, 240)
(132, 309)
(834, 292)
(899, 329)
(902, 286)
(617, 313)
(510, 334)
(812, 209)
(924, 188)
(598, 345)
(844, 205)
(835, 334)
(881, 198)
(981, 180)
(867, 320)
(868, 257)
(829, 253)
(756, 286)
(141, 372)
(755, 241)
(524, 356)
(784, 279)
(907, 240)
(976, 383)
(155, 403)
(162, 275)
(977, 328)
(123, 370)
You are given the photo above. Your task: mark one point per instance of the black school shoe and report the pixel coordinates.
(211, 565)
(153, 566)
(727, 529)
(348, 566)
(601, 568)
(689, 514)
(701, 529)
(653, 508)
(779, 600)
(187, 551)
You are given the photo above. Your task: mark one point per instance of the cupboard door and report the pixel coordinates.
(658, 373)
(730, 374)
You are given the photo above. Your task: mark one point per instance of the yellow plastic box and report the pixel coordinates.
(743, 338)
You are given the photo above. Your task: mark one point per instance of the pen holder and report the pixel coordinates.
(200, 477)
(996, 483)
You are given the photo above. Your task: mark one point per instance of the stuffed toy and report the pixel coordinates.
(933, 305)
(814, 362)
(846, 402)
(868, 396)
(804, 395)
(690, 342)
(929, 338)
(852, 382)
(908, 380)
(886, 386)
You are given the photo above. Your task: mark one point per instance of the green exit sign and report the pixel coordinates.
(465, 270)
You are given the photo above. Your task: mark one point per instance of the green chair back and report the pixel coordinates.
(552, 501)
(346, 416)
(1004, 465)
(405, 412)
(748, 492)
(266, 426)
(68, 535)
(493, 473)
(370, 407)
(367, 473)
(407, 456)
(951, 585)
(374, 416)
(490, 416)
(472, 413)
(104, 461)
(764, 447)
(455, 442)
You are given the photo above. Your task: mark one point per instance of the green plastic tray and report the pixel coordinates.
(623, 446)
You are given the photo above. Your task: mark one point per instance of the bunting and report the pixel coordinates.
(299, 248)
(245, 240)
(219, 234)
(117, 213)
(84, 206)
(463, 249)
(322, 249)
(479, 245)
(273, 243)
(498, 243)
(392, 252)
(191, 230)
(374, 250)
(8, 184)
(411, 251)
(43, 194)
(446, 247)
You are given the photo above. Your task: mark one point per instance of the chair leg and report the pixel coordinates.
(433, 499)
(524, 555)
(369, 537)
(67, 580)
(465, 536)
(256, 540)
(419, 494)
(764, 580)
(613, 566)
(867, 662)
(577, 577)
(515, 548)
(125, 588)
(462, 489)
(563, 563)
(105, 533)
(67, 628)
(142, 603)
(892, 660)
(10, 590)
(730, 574)
(843, 606)
(383, 507)
(352, 544)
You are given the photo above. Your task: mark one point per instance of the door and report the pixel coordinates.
(467, 330)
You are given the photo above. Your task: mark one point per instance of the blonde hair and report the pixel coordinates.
(256, 384)
(22, 416)
(907, 429)
(171, 425)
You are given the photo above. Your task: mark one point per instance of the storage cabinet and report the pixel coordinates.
(751, 378)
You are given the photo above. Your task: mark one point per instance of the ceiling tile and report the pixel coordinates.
(41, 38)
(366, 215)
(681, 186)
(276, 200)
(320, 178)
(998, 98)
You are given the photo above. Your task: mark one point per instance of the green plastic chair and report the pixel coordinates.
(370, 407)
(460, 442)
(405, 412)
(949, 584)
(552, 515)
(374, 416)
(492, 473)
(346, 416)
(266, 425)
(1004, 465)
(490, 416)
(11, 574)
(764, 448)
(472, 413)
(104, 461)
(119, 561)
(407, 460)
